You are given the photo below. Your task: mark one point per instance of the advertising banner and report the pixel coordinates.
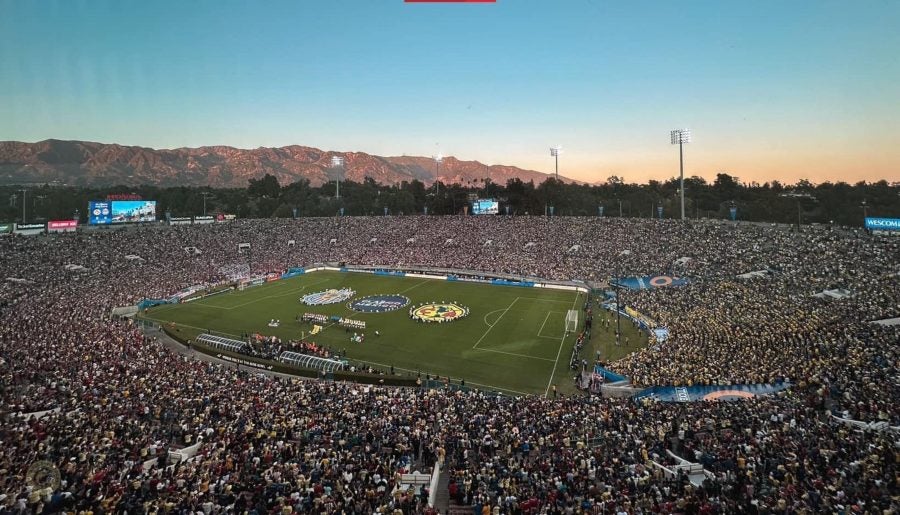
(29, 229)
(62, 225)
(696, 393)
(883, 224)
(180, 220)
(6, 228)
(204, 219)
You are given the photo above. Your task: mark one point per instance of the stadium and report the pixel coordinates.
(145, 391)
(457, 257)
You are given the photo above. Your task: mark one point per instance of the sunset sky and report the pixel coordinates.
(771, 89)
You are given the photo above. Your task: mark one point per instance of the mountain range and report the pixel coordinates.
(85, 163)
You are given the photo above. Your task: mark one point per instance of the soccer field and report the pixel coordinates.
(513, 339)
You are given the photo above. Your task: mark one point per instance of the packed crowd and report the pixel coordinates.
(118, 408)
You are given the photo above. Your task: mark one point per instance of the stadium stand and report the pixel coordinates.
(99, 417)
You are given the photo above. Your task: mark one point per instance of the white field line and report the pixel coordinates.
(547, 300)
(515, 354)
(415, 285)
(204, 329)
(541, 330)
(558, 352)
(495, 322)
(291, 292)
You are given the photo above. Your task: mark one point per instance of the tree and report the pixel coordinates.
(267, 187)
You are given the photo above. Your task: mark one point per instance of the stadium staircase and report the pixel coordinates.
(442, 501)
(442, 496)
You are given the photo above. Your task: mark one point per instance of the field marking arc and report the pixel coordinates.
(491, 313)
(561, 341)
(495, 322)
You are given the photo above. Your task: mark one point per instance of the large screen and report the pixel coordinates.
(125, 211)
(103, 212)
(99, 212)
(486, 206)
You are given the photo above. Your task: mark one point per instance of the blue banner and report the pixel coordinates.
(883, 224)
(293, 272)
(649, 281)
(659, 211)
(710, 393)
(149, 303)
(507, 282)
(600, 211)
(390, 272)
(733, 212)
(608, 375)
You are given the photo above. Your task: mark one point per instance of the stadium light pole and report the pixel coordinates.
(554, 152)
(437, 173)
(680, 137)
(205, 195)
(337, 162)
(23, 190)
(618, 316)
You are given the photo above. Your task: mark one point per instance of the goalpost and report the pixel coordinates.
(572, 321)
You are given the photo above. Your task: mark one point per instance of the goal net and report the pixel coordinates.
(571, 321)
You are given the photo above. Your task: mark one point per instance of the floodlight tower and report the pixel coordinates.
(205, 195)
(437, 172)
(680, 137)
(24, 191)
(554, 152)
(337, 162)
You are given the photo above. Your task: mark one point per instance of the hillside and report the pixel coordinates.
(85, 163)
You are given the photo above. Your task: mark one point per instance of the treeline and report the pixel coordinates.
(840, 203)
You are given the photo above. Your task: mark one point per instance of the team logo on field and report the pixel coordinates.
(378, 303)
(438, 312)
(327, 297)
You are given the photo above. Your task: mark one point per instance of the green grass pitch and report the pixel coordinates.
(513, 339)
